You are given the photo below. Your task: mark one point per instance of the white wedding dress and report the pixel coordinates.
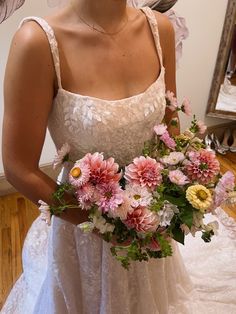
(66, 271)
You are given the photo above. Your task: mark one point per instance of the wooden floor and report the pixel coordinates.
(16, 216)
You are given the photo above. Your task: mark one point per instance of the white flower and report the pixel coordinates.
(60, 155)
(173, 158)
(100, 223)
(212, 226)
(167, 213)
(189, 134)
(86, 226)
(139, 196)
(45, 212)
(197, 222)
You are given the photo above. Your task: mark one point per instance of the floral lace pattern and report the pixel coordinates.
(66, 271)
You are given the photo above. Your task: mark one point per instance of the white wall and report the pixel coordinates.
(204, 19)
(205, 22)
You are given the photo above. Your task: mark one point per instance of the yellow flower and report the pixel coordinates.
(199, 197)
(75, 172)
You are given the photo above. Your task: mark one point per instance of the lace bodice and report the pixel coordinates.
(117, 128)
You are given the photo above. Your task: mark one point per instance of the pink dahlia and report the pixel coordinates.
(101, 171)
(202, 166)
(110, 196)
(86, 195)
(169, 141)
(144, 171)
(142, 220)
(79, 174)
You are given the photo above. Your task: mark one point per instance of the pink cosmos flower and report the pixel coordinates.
(173, 158)
(61, 155)
(186, 107)
(138, 196)
(202, 166)
(169, 142)
(160, 128)
(101, 171)
(79, 174)
(177, 177)
(122, 210)
(144, 171)
(172, 103)
(142, 220)
(111, 196)
(86, 195)
(201, 127)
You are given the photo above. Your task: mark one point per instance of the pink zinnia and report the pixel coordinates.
(172, 103)
(110, 196)
(142, 220)
(101, 171)
(186, 107)
(168, 141)
(177, 177)
(144, 171)
(202, 166)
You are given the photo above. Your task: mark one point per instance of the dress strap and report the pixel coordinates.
(154, 28)
(52, 42)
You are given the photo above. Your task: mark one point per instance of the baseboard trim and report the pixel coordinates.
(6, 188)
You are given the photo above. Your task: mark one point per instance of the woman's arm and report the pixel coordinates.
(167, 39)
(28, 96)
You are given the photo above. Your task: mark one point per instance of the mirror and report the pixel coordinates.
(222, 97)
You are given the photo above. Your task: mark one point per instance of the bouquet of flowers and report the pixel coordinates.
(161, 196)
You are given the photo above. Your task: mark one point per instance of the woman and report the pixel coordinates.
(96, 74)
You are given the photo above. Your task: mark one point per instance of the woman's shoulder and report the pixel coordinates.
(30, 36)
(164, 23)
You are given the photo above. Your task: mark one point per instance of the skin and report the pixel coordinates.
(112, 67)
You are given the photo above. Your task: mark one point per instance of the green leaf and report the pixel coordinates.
(186, 216)
(178, 201)
(178, 234)
(206, 235)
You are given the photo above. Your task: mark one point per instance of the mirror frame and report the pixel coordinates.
(221, 63)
